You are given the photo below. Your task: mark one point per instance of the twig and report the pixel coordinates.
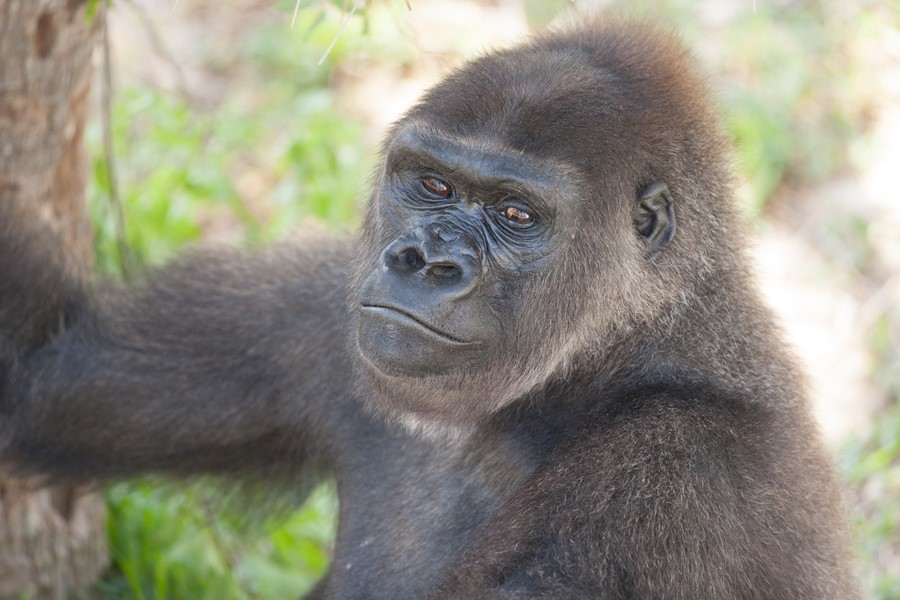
(161, 50)
(340, 31)
(115, 201)
(296, 10)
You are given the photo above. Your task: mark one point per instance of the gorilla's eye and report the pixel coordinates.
(518, 216)
(437, 187)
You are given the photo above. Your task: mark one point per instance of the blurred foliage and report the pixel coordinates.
(873, 467)
(184, 168)
(168, 544)
(267, 151)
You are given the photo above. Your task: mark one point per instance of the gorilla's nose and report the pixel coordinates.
(411, 261)
(439, 260)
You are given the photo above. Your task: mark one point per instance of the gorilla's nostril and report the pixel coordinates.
(411, 260)
(445, 271)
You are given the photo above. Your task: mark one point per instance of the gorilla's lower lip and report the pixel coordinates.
(400, 314)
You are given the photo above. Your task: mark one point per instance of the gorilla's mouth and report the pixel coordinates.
(403, 316)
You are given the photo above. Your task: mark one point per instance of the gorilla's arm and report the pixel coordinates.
(219, 361)
(668, 496)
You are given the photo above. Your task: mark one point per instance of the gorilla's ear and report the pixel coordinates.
(654, 218)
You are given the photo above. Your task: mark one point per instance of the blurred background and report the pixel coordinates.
(249, 120)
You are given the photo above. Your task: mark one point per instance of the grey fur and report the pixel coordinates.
(641, 432)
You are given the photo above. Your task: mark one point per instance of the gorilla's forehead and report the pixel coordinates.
(551, 106)
(478, 155)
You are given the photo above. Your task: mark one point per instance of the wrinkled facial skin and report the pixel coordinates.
(520, 227)
(460, 228)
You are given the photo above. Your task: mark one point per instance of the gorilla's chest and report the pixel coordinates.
(410, 513)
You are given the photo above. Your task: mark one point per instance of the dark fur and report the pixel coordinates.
(640, 430)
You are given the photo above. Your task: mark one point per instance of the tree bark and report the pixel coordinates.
(52, 540)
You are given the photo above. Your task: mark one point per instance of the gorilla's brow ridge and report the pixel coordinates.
(482, 161)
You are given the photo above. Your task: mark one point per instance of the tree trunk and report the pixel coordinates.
(52, 540)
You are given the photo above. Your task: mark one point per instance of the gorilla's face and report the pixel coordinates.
(458, 242)
(461, 228)
(510, 230)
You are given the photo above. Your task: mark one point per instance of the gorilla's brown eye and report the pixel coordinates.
(518, 215)
(435, 186)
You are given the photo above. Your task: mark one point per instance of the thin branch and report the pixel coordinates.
(296, 10)
(161, 50)
(115, 201)
(340, 31)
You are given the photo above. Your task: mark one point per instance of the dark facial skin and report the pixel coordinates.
(464, 227)
(541, 370)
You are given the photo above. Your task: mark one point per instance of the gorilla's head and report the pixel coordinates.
(524, 219)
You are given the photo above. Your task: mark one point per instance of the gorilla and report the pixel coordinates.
(541, 370)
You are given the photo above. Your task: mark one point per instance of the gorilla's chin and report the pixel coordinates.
(398, 344)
